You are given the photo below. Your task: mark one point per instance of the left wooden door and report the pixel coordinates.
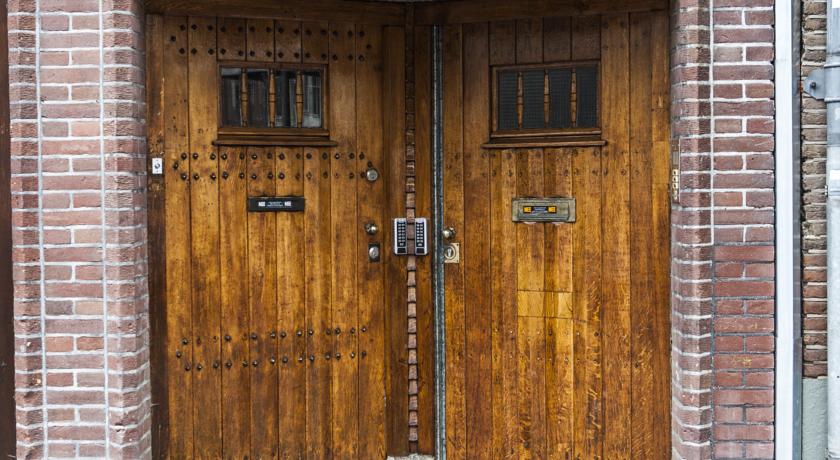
(275, 337)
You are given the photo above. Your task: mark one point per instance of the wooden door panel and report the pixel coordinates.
(576, 311)
(277, 340)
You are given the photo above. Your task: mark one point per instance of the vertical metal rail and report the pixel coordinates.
(832, 102)
(437, 231)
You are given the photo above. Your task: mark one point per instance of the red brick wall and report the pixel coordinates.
(78, 167)
(723, 236)
(813, 196)
(78, 152)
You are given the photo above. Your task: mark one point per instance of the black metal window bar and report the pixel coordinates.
(547, 98)
(271, 98)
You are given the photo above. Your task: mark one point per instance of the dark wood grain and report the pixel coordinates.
(7, 368)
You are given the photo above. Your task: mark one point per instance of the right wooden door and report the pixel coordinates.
(557, 333)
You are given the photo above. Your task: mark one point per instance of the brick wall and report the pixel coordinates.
(78, 165)
(723, 247)
(813, 195)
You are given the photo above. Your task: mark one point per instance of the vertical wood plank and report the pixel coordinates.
(424, 325)
(260, 40)
(233, 253)
(159, 348)
(342, 97)
(559, 258)
(660, 167)
(396, 290)
(642, 315)
(456, 430)
(231, 39)
(530, 250)
(371, 278)
(291, 304)
(316, 42)
(616, 191)
(530, 239)
(586, 37)
(204, 197)
(178, 258)
(287, 41)
(557, 39)
(505, 327)
(559, 331)
(262, 300)
(529, 41)
(588, 377)
(475, 245)
(317, 266)
(503, 43)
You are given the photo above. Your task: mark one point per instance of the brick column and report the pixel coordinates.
(78, 150)
(723, 236)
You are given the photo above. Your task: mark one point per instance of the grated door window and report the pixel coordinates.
(546, 100)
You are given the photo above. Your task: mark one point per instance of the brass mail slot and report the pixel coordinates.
(543, 209)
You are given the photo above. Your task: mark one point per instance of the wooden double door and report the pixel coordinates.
(557, 336)
(298, 334)
(273, 338)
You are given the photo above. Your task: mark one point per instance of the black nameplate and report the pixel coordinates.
(276, 204)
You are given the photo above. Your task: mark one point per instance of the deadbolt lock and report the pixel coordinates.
(374, 252)
(452, 253)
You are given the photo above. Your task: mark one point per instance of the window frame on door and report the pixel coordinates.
(299, 131)
(544, 132)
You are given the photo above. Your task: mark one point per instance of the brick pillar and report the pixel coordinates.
(78, 186)
(723, 235)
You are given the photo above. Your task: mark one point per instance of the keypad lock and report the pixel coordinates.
(421, 245)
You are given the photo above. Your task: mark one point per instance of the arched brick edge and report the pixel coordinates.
(722, 229)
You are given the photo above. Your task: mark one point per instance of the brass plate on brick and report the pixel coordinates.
(543, 209)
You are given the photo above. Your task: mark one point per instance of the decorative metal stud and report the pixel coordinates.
(175, 165)
(364, 353)
(195, 156)
(184, 156)
(352, 354)
(253, 156)
(195, 176)
(225, 175)
(212, 156)
(255, 363)
(352, 330)
(184, 176)
(282, 334)
(337, 331)
(187, 367)
(328, 332)
(285, 360)
(244, 363)
(199, 367)
(178, 354)
(273, 360)
(253, 336)
(185, 341)
(311, 332)
(364, 329)
(338, 356)
(215, 364)
(227, 337)
(213, 176)
(228, 364)
(224, 156)
(327, 356)
(311, 358)
(299, 333)
(300, 359)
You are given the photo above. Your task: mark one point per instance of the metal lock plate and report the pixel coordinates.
(452, 253)
(276, 204)
(157, 166)
(543, 209)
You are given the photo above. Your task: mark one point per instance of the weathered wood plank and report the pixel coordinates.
(503, 43)
(287, 41)
(660, 169)
(316, 42)
(262, 301)
(557, 39)
(231, 39)
(587, 367)
(204, 224)
(475, 245)
(453, 148)
(233, 253)
(372, 276)
(260, 40)
(344, 231)
(317, 267)
(505, 329)
(466, 11)
(586, 37)
(291, 305)
(616, 192)
(642, 314)
(529, 41)
(559, 260)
